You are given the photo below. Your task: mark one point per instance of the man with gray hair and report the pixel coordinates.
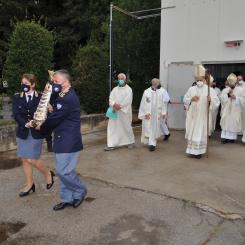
(152, 111)
(119, 129)
(64, 121)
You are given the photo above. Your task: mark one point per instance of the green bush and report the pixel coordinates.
(91, 80)
(30, 51)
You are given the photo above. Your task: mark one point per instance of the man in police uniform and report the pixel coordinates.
(64, 121)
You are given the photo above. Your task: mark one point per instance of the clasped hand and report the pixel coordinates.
(197, 98)
(117, 107)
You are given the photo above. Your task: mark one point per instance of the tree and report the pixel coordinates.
(12, 11)
(90, 75)
(76, 23)
(136, 45)
(31, 51)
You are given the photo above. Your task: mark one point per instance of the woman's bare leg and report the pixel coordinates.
(27, 168)
(38, 164)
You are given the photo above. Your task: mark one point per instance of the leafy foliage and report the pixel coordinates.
(31, 51)
(137, 46)
(76, 24)
(90, 73)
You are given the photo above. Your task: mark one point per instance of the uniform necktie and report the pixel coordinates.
(29, 99)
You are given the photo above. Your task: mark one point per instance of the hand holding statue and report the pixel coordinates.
(32, 124)
(50, 108)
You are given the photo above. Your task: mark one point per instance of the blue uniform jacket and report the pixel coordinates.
(23, 112)
(65, 122)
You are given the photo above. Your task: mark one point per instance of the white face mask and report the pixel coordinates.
(200, 83)
(241, 82)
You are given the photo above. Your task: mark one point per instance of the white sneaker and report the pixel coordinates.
(109, 149)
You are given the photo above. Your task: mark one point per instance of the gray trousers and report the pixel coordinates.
(70, 185)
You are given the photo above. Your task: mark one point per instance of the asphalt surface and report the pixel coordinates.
(128, 203)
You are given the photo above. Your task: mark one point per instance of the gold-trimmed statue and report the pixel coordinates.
(42, 110)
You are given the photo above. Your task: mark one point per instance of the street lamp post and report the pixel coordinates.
(138, 15)
(111, 61)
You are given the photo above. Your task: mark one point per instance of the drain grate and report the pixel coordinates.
(8, 229)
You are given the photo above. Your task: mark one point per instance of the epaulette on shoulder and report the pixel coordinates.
(21, 94)
(37, 94)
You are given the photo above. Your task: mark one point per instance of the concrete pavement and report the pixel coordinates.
(217, 182)
(130, 198)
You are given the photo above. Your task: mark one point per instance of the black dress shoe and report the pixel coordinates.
(61, 206)
(198, 156)
(152, 148)
(166, 137)
(26, 193)
(52, 180)
(78, 202)
(224, 141)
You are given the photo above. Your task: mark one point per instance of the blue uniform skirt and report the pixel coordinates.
(29, 148)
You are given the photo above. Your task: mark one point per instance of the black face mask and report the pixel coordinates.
(25, 88)
(56, 88)
(214, 86)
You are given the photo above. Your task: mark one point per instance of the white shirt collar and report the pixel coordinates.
(29, 94)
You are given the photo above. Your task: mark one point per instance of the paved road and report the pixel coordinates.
(125, 204)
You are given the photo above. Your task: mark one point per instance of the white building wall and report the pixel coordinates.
(195, 31)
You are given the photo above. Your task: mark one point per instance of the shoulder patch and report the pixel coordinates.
(59, 106)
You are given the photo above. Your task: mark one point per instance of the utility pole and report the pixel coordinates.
(111, 43)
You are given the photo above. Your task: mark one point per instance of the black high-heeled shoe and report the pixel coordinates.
(26, 193)
(49, 186)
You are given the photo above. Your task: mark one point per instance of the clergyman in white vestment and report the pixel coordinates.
(215, 112)
(241, 83)
(119, 130)
(164, 126)
(232, 103)
(151, 112)
(196, 103)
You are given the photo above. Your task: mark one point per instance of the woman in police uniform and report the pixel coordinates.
(29, 140)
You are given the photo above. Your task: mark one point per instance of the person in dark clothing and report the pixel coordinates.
(29, 140)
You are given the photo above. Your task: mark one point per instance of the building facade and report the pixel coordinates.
(208, 32)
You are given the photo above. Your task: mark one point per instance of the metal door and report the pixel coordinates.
(180, 78)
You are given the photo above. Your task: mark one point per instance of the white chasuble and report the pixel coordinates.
(119, 131)
(231, 116)
(196, 118)
(152, 104)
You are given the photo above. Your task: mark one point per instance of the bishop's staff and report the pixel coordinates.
(207, 78)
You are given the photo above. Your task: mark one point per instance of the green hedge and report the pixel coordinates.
(91, 81)
(30, 51)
